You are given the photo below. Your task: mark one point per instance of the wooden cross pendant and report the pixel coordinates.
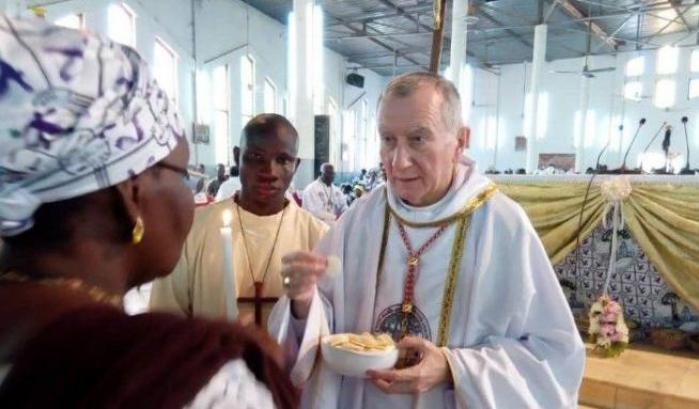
(259, 286)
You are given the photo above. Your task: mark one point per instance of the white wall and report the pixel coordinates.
(225, 31)
(228, 29)
(172, 25)
(564, 95)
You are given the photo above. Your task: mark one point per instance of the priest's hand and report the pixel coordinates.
(301, 271)
(432, 369)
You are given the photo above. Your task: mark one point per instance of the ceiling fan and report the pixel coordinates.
(586, 71)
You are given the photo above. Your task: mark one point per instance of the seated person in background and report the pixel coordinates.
(265, 227)
(322, 198)
(89, 209)
(348, 192)
(358, 192)
(215, 184)
(361, 178)
(201, 197)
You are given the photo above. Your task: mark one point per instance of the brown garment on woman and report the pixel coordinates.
(99, 357)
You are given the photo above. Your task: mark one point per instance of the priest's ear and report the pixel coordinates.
(463, 137)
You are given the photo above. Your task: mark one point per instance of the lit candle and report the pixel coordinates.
(228, 274)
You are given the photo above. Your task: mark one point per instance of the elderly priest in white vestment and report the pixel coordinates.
(443, 262)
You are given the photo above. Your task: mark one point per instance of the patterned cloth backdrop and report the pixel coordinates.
(646, 298)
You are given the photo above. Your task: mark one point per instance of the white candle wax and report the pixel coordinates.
(228, 273)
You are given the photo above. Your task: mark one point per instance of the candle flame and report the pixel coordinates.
(227, 217)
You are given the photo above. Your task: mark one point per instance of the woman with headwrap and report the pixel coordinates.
(92, 203)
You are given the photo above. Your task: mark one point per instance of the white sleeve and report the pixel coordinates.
(315, 205)
(540, 366)
(233, 386)
(341, 200)
(310, 201)
(225, 191)
(299, 338)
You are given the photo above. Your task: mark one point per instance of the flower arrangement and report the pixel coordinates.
(607, 330)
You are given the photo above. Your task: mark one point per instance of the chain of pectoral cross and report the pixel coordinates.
(258, 284)
(412, 270)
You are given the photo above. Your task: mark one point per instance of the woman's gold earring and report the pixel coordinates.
(137, 232)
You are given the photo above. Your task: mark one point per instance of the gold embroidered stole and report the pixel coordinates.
(462, 219)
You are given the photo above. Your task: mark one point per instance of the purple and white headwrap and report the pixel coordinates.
(78, 113)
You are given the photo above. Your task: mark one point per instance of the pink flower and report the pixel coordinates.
(612, 307)
(607, 330)
(616, 337)
(609, 318)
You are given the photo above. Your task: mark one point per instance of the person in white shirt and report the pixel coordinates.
(444, 263)
(322, 198)
(230, 186)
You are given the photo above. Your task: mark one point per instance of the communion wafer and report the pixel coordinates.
(362, 343)
(334, 266)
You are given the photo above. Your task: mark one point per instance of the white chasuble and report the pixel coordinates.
(511, 339)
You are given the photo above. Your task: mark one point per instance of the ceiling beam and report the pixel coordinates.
(403, 13)
(680, 15)
(417, 50)
(363, 34)
(598, 31)
(615, 32)
(369, 16)
(507, 30)
(400, 11)
(379, 42)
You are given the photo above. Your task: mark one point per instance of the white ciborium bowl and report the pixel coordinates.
(356, 363)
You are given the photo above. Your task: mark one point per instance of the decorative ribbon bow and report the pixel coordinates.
(614, 190)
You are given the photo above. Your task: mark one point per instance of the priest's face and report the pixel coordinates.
(267, 164)
(418, 150)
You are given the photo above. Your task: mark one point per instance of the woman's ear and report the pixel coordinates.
(130, 193)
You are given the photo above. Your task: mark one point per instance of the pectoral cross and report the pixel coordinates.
(259, 286)
(258, 301)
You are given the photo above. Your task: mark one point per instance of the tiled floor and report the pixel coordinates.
(642, 378)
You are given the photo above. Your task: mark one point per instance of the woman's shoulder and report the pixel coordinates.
(234, 385)
(89, 348)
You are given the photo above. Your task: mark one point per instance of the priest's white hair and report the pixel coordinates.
(405, 85)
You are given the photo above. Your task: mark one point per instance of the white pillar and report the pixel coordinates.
(584, 103)
(16, 8)
(457, 53)
(538, 62)
(300, 87)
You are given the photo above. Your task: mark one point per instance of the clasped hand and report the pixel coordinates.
(431, 370)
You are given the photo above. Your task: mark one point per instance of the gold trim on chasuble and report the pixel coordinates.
(463, 219)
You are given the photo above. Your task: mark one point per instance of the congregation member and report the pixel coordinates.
(348, 192)
(361, 178)
(230, 186)
(94, 201)
(322, 198)
(216, 183)
(265, 226)
(444, 263)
